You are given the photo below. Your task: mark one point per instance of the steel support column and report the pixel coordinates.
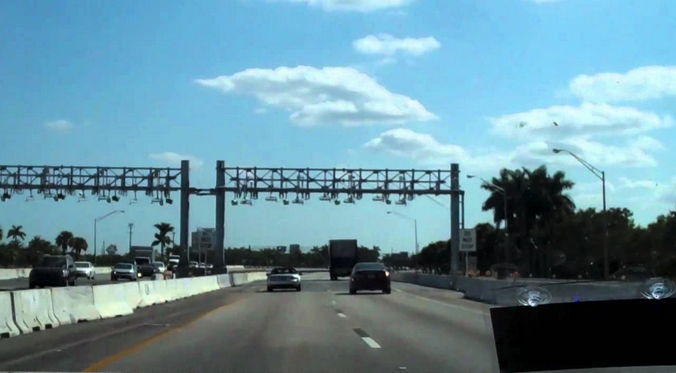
(455, 218)
(185, 212)
(220, 215)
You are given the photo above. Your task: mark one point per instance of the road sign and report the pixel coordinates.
(468, 240)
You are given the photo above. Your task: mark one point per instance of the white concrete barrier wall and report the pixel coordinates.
(7, 326)
(132, 294)
(111, 301)
(33, 310)
(240, 278)
(14, 273)
(223, 281)
(74, 304)
(148, 295)
(8, 273)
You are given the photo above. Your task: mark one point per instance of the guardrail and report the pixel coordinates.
(504, 292)
(27, 311)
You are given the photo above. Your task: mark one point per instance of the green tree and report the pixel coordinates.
(16, 233)
(63, 241)
(1, 234)
(162, 236)
(79, 245)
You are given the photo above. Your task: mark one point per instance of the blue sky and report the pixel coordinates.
(337, 83)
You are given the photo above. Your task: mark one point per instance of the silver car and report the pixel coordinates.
(125, 270)
(85, 269)
(284, 278)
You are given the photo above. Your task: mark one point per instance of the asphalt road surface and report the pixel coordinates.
(22, 283)
(246, 329)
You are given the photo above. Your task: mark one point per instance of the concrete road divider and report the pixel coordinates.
(7, 326)
(205, 284)
(148, 294)
(132, 294)
(110, 301)
(74, 304)
(239, 279)
(160, 289)
(33, 310)
(223, 281)
(8, 274)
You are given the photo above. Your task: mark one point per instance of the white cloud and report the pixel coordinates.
(626, 183)
(60, 125)
(331, 95)
(174, 159)
(388, 45)
(354, 5)
(585, 120)
(261, 110)
(425, 149)
(643, 83)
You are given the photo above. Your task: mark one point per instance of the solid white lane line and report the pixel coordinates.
(342, 315)
(369, 341)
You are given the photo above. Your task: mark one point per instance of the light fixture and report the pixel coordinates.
(102, 197)
(134, 200)
(378, 199)
(49, 194)
(56, 198)
(388, 202)
(247, 202)
(401, 202)
(157, 200)
(325, 197)
(169, 201)
(557, 151)
(6, 196)
(108, 199)
(116, 198)
(271, 198)
(234, 202)
(286, 202)
(30, 197)
(61, 196)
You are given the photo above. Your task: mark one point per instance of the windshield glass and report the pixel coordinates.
(369, 267)
(82, 265)
(123, 266)
(53, 261)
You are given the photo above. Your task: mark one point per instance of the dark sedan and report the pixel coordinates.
(370, 276)
(53, 270)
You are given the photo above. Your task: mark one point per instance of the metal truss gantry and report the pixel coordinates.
(246, 184)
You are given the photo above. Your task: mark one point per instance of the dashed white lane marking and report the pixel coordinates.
(342, 315)
(397, 290)
(369, 341)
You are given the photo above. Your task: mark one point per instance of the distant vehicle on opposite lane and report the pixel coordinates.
(128, 271)
(85, 269)
(53, 270)
(370, 276)
(284, 278)
(160, 266)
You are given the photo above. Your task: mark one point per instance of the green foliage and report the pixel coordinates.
(78, 245)
(162, 236)
(63, 241)
(16, 233)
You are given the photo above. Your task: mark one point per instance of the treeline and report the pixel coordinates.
(18, 253)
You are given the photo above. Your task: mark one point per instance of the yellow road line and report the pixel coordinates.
(97, 367)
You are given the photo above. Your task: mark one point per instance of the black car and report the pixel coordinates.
(53, 270)
(370, 276)
(145, 267)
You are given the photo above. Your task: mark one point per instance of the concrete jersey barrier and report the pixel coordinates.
(132, 294)
(7, 326)
(33, 310)
(111, 300)
(74, 304)
(148, 294)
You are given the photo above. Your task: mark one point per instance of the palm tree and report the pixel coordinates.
(79, 244)
(16, 233)
(162, 237)
(63, 240)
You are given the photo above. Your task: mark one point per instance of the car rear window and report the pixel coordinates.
(123, 266)
(53, 261)
(81, 265)
(369, 267)
(283, 270)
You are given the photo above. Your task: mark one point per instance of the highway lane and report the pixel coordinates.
(246, 329)
(22, 283)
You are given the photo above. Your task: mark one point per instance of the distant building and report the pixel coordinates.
(294, 249)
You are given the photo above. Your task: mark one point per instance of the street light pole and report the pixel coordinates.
(504, 195)
(601, 175)
(96, 221)
(415, 230)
